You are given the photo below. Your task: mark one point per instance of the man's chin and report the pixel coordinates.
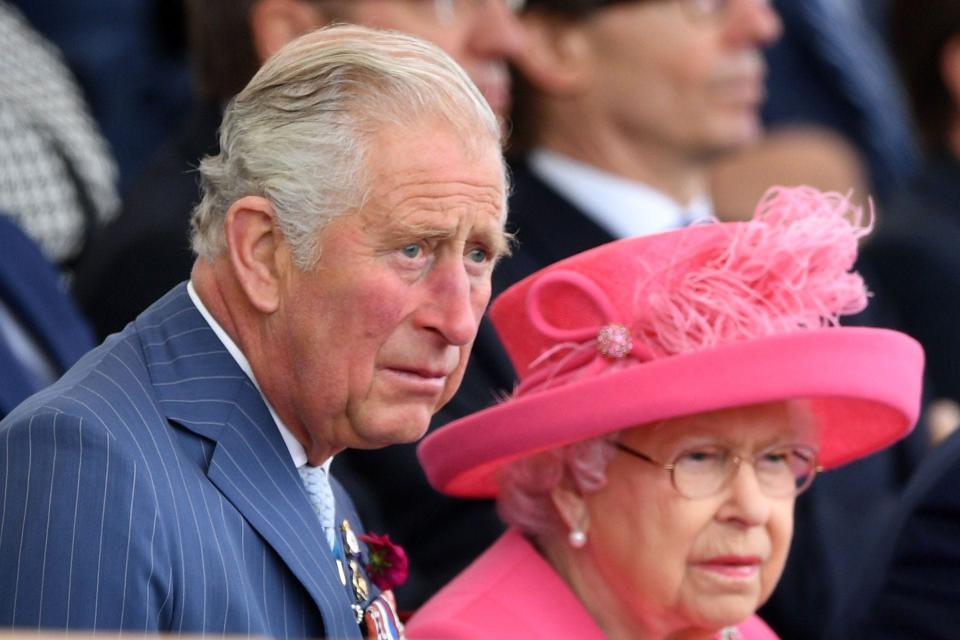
(402, 427)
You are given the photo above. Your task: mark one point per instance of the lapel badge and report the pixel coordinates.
(360, 587)
(350, 543)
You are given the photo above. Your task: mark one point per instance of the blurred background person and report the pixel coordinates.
(914, 253)
(57, 175)
(676, 393)
(130, 59)
(146, 251)
(833, 70)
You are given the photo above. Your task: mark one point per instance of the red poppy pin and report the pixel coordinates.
(387, 566)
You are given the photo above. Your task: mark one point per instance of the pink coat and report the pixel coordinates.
(511, 592)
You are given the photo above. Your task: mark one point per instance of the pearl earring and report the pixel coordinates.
(577, 538)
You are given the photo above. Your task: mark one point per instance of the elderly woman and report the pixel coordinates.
(677, 393)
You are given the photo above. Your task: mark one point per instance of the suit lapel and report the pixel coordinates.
(200, 386)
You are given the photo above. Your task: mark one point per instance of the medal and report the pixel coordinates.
(358, 581)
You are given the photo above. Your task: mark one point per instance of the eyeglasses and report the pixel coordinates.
(782, 470)
(696, 9)
(449, 12)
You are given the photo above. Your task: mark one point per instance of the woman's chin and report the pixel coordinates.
(725, 611)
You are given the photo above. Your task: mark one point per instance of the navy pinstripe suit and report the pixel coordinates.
(150, 489)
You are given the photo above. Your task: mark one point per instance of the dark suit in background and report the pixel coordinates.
(150, 490)
(916, 259)
(144, 252)
(832, 68)
(910, 589)
(31, 291)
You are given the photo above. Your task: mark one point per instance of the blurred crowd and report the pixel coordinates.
(617, 123)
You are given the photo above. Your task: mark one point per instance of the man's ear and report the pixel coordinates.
(555, 56)
(571, 506)
(256, 251)
(274, 23)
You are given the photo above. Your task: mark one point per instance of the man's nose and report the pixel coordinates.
(449, 307)
(753, 22)
(496, 32)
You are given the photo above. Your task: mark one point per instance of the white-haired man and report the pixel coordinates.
(175, 479)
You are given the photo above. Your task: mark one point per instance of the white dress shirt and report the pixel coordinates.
(624, 208)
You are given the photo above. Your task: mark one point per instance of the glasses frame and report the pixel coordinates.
(446, 11)
(737, 459)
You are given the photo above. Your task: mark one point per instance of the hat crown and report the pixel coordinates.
(787, 269)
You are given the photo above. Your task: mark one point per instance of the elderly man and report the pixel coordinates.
(145, 251)
(345, 240)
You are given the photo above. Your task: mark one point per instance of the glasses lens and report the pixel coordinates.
(451, 11)
(785, 470)
(701, 472)
(705, 8)
(781, 471)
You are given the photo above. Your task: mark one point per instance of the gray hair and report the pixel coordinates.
(299, 133)
(526, 484)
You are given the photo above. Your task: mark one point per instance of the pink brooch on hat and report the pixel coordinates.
(613, 341)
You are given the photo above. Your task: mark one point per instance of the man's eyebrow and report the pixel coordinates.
(497, 240)
(501, 243)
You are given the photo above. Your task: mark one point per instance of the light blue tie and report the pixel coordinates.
(317, 484)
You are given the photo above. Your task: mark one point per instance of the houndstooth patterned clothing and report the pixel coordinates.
(56, 174)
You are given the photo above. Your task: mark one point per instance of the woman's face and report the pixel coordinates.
(675, 562)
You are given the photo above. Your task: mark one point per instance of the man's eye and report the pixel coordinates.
(478, 255)
(411, 250)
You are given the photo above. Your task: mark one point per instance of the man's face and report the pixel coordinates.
(678, 81)
(376, 336)
(481, 35)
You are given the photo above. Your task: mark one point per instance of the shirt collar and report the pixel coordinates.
(297, 452)
(622, 207)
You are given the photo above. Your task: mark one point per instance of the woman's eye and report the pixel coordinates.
(780, 457)
(411, 250)
(700, 457)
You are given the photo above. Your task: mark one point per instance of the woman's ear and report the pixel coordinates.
(274, 23)
(571, 506)
(555, 57)
(256, 251)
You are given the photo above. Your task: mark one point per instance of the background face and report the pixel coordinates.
(482, 35)
(678, 83)
(705, 563)
(380, 329)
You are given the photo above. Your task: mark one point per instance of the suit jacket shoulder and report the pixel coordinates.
(184, 512)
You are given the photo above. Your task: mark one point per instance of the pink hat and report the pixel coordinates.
(709, 317)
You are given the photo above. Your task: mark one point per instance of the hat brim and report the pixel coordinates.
(863, 386)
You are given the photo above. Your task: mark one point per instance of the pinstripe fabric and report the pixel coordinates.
(149, 489)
